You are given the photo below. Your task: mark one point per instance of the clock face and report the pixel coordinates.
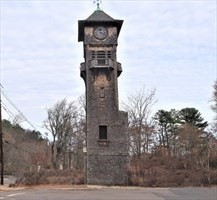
(100, 32)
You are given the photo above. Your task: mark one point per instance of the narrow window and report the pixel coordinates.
(102, 92)
(103, 132)
(109, 55)
(93, 56)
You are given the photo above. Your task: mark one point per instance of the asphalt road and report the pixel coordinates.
(112, 194)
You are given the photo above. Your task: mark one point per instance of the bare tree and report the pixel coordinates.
(24, 149)
(79, 139)
(66, 123)
(214, 108)
(60, 124)
(140, 120)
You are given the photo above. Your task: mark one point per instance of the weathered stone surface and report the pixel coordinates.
(107, 158)
(109, 170)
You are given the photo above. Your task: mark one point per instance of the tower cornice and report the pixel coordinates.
(98, 17)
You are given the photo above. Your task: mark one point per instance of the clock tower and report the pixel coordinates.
(106, 134)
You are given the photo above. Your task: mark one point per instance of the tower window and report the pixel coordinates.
(102, 92)
(101, 57)
(109, 55)
(101, 54)
(93, 55)
(103, 132)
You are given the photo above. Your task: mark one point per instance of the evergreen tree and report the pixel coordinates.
(193, 117)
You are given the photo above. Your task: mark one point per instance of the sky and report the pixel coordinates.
(169, 45)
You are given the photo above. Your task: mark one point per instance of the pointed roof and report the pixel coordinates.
(98, 17)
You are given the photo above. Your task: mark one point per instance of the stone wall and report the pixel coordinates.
(106, 159)
(107, 169)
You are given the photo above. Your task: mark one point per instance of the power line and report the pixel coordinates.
(15, 107)
(7, 110)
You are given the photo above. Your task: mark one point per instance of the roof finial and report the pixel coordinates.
(97, 2)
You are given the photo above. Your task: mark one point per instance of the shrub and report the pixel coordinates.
(52, 177)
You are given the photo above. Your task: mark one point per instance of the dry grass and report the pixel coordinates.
(168, 172)
(62, 177)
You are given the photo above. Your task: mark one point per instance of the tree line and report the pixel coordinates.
(168, 143)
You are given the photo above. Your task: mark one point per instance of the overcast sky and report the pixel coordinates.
(167, 45)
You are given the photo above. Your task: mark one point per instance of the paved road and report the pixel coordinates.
(113, 194)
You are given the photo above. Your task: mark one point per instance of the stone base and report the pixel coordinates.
(107, 170)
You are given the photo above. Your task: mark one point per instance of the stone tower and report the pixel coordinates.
(107, 139)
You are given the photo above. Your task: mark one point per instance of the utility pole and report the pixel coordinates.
(1, 142)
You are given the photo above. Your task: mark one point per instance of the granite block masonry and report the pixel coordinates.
(106, 134)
